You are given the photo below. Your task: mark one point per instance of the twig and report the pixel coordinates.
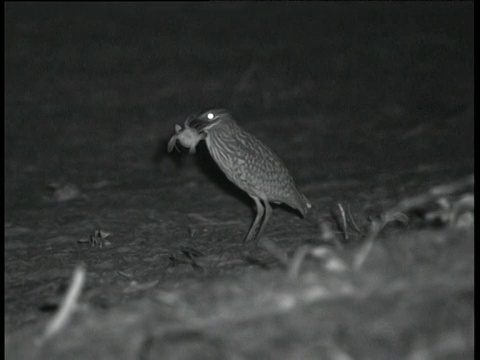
(68, 305)
(376, 227)
(414, 202)
(362, 254)
(296, 263)
(353, 222)
(344, 221)
(398, 213)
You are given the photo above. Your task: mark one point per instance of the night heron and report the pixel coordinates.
(246, 161)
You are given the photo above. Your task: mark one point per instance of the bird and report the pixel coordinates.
(246, 161)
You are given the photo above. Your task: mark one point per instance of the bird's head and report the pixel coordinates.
(208, 119)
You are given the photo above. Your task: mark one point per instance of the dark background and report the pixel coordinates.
(366, 103)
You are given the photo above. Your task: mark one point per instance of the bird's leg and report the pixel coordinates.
(268, 212)
(260, 212)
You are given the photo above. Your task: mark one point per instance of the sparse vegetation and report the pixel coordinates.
(370, 106)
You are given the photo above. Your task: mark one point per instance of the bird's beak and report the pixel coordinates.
(200, 124)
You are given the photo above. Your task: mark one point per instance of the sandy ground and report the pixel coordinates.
(367, 104)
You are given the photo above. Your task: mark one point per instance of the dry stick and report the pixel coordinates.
(434, 193)
(453, 187)
(69, 304)
(362, 254)
(296, 263)
(397, 213)
(350, 215)
(344, 221)
(376, 227)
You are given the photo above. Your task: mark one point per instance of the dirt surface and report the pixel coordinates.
(366, 104)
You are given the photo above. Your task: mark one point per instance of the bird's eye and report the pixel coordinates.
(210, 116)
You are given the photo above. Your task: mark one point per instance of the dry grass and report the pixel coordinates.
(369, 105)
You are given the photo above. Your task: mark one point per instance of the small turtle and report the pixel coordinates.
(187, 136)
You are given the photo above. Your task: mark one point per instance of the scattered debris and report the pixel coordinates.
(64, 192)
(68, 305)
(60, 239)
(125, 274)
(447, 212)
(16, 230)
(422, 201)
(188, 256)
(97, 238)
(134, 286)
(326, 232)
(352, 221)
(332, 261)
(190, 252)
(343, 223)
(102, 184)
(457, 213)
(297, 260)
(193, 230)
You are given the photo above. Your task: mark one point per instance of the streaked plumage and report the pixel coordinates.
(247, 162)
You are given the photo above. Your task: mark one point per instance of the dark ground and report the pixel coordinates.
(365, 103)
